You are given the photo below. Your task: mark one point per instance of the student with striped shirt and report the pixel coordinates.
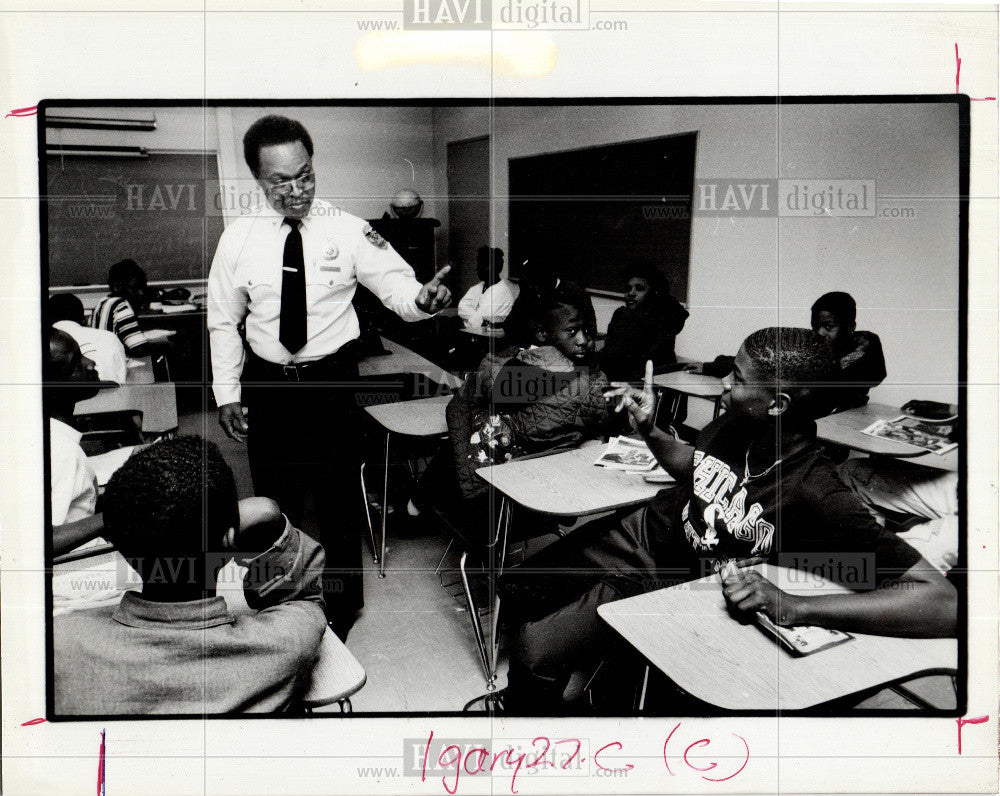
(116, 311)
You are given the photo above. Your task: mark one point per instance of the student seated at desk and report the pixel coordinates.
(64, 311)
(859, 354)
(171, 511)
(116, 312)
(490, 300)
(551, 395)
(539, 280)
(755, 485)
(645, 328)
(70, 377)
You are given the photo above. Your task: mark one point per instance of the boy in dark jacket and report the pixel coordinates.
(859, 354)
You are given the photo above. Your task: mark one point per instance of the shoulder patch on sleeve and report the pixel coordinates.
(374, 238)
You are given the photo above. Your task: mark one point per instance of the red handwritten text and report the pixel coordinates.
(743, 757)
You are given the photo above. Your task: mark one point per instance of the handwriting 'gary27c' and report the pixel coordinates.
(679, 754)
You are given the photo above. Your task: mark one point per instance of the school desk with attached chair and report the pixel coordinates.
(564, 485)
(687, 633)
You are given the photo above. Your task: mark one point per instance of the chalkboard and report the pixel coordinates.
(153, 210)
(592, 212)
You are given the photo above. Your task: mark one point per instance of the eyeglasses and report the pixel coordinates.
(285, 187)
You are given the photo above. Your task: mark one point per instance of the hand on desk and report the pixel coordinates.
(233, 421)
(640, 404)
(434, 296)
(747, 592)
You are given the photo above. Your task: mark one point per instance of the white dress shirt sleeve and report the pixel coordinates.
(227, 308)
(497, 301)
(468, 307)
(380, 269)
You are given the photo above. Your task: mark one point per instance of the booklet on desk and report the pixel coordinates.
(803, 639)
(624, 453)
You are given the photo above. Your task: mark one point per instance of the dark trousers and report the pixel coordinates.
(304, 447)
(550, 602)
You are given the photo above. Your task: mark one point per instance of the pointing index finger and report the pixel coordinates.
(647, 381)
(439, 276)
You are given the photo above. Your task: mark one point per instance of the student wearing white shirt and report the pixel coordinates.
(491, 299)
(103, 348)
(289, 273)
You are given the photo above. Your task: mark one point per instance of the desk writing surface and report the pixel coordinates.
(844, 428)
(569, 484)
(423, 417)
(157, 402)
(695, 384)
(401, 359)
(687, 633)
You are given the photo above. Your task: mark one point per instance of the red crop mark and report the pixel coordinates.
(33, 722)
(962, 722)
(21, 113)
(100, 767)
(958, 73)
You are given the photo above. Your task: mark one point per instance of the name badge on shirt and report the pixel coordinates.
(330, 268)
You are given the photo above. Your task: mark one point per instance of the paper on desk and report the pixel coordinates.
(155, 335)
(624, 453)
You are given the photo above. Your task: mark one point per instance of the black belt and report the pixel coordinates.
(334, 364)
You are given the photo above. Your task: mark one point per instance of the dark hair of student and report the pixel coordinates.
(63, 307)
(55, 371)
(552, 302)
(121, 272)
(797, 362)
(488, 261)
(839, 304)
(654, 277)
(175, 498)
(269, 131)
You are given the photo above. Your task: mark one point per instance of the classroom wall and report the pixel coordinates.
(192, 129)
(363, 156)
(751, 272)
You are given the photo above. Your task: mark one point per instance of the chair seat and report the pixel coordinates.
(335, 677)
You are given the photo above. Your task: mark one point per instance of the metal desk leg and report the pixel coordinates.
(477, 627)
(368, 514)
(385, 503)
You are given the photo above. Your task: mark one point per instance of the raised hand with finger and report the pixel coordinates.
(435, 296)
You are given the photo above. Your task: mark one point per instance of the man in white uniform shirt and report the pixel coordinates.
(289, 273)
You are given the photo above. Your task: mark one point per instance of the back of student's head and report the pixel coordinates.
(839, 304)
(123, 272)
(489, 263)
(176, 498)
(63, 307)
(797, 362)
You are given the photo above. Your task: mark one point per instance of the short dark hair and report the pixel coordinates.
(798, 362)
(552, 302)
(839, 304)
(122, 271)
(653, 276)
(487, 257)
(63, 307)
(56, 371)
(175, 498)
(271, 130)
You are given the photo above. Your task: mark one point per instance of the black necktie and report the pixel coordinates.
(292, 332)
